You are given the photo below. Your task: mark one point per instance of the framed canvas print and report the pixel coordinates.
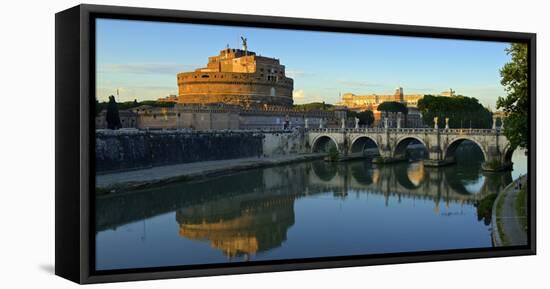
(193, 143)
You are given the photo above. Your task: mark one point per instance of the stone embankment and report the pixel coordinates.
(134, 158)
(136, 179)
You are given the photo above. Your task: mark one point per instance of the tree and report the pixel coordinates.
(514, 78)
(394, 107)
(313, 106)
(113, 118)
(365, 117)
(97, 107)
(462, 111)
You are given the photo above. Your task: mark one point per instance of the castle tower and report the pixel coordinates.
(238, 77)
(399, 94)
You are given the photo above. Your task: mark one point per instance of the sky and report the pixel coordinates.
(141, 60)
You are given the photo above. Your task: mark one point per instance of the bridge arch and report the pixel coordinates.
(402, 143)
(360, 143)
(450, 151)
(508, 153)
(323, 143)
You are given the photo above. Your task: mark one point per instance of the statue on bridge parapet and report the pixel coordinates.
(436, 120)
(356, 122)
(441, 145)
(446, 123)
(343, 123)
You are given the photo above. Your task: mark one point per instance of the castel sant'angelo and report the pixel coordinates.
(237, 77)
(239, 89)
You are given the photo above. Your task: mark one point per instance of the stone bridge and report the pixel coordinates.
(390, 144)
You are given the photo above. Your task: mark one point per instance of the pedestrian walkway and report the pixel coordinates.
(507, 230)
(170, 173)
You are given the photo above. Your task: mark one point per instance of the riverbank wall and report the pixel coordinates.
(124, 150)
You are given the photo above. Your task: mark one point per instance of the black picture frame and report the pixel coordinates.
(74, 90)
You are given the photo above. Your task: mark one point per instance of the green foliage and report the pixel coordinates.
(157, 103)
(462, 111)
(113, 119)
(333, 153)
(313, 106)
(484, 208)
(365, 117)
(393, 106)
(131, 104)
(514, 78)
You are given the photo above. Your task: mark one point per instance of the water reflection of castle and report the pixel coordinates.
(251, 211)
(257, 221)
(240, 226)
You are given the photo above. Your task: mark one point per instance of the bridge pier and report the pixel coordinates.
(495, 161)
(436, 158)
(386, 156)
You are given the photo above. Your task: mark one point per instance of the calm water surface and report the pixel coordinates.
(310, 209)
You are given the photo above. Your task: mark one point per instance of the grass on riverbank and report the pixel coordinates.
(502, 236)
(521, 208)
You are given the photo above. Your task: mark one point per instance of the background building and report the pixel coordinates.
(169, 98)
(372, 101)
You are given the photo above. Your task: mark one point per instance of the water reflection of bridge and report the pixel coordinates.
(251, 211)
(413, 180)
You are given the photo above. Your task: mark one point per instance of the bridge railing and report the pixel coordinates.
(465, 131)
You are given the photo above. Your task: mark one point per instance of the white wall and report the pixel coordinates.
(276, 144)
(27, 146)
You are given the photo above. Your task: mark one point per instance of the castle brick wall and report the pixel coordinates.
(233, 88)
(230, 117)
(237, 77)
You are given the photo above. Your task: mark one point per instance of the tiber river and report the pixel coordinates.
(310, 209)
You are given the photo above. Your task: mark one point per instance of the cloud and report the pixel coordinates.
(296, 73)
(146, 68)
(355, 83)
(420, 89)
(298, 95)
